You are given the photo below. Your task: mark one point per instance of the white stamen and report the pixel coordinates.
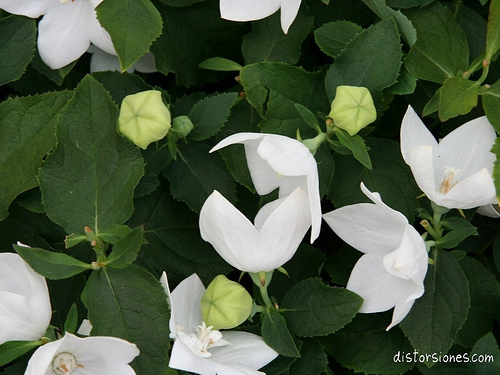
(449, 181)
(202, 340)
(64, 1)
(65, 363)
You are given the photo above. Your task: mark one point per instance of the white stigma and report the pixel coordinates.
(449, 181)
(204, 339)
(65, 363)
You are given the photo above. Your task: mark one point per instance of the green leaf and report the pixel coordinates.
(276, 334)
(441, 50)
(173, 239)
(131, 304)
(332, 37)
(405, 85)
(458, 96)
(377, 51)
(210, 114)
(125, 21)
(314, 309)
(90, 178)
(119, 85)
(26, 135)
(196, 174)
(312, 359)
(408, 3)
(179, 3)
(340, 264)
(220, 64)
(405, 27)
(493, 30)
(452, 239)
(357, 145)
(436, 317)
(484, 355)
(309, 117)
(114, 234)
(126, 249)
(71, 322)
(390, 176)
(365, 347)
(267, 42)
(491, 104)
(484, 302)
(496, 167)
(50, 264)
(17, 46)
(274, 88)
(11, 350)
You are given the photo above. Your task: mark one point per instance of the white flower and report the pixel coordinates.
(457, 171)
(279, 228)
(251, 10)
(102, 61)
(25, 310)
(66, 29)
(392, 271)
(98, 355)
(276, 161)
(202, 350)
(490, 210)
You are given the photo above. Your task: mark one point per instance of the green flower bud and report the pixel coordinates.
(144, 118)
(352, 108)
(182, 126)
(225, 304)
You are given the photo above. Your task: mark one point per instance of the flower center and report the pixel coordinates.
(65, 363)
(204, 339)
(449, 181)
(65, 1)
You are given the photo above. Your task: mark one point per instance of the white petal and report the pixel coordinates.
(29, 8)
(421, 162)
(248, 10)
(186, 304)
(400, 311)
(99, 36)
(166, 287)
(102, 61)
(237, 353)
(414, 133)
(182, 358)
(489, 210)
(85, 328)
(64, 33)
(289, 10)
(146, 64)
(41, 360)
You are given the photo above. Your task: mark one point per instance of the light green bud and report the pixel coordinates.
(144, 118)
(225, 304)
(353, 108)
(182, 126)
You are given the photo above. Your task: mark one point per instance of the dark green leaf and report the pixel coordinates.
(210, 114)
(441, 50)
(71, 322)
(131, 304)
(357, 145)
(90, 178)
(27, 128)
(372, 60)
(314, 309)
(452, 239)
(17, 45)
(50, 264)
(312, 359)
(133, 26)
(496, 167)
(274, 88)
(276, 334)
(334, 36)
(457, 97)
(484, 356)
(493, 30)
(267, 42)
(114, 234)
(119, 85)
(340, 264)
(309, 117)
(126, 249)
(436, 317)
(491, 104)
(13, 349)
(220, 64)
(405, 85)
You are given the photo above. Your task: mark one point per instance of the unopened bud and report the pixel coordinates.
(225, 304)
(144, 118)
(353, 108)
(182, 125)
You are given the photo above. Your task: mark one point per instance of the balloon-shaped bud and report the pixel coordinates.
(144, 118)
(182, 125)
(353, 108)
(225, 304)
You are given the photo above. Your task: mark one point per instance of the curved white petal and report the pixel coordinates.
(102, 61)
(99, 36)
(64, 33)
(289, 10)
(146, 64)
(421, 162)
(248, 10)
(414, 133)
(29, 8)
(182, 358)
(400, 311)
(490, 210)
(186, 304)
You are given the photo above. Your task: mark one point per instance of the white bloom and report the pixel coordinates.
(392, 271)
(66, 29)
(276, 161)
(251, 10)
(279, 228)
(490, 210)
(102, 61)
(457, 171)
(25, 310)
(202, 350)
(97, 355)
